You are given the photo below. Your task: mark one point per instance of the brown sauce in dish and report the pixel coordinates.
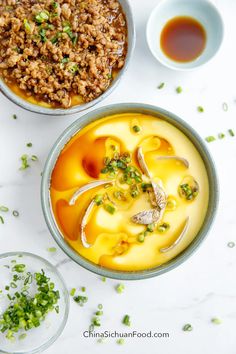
(183, 39)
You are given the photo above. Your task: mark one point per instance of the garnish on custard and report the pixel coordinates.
(188, 188)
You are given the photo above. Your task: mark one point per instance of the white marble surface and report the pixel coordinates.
(201, 288)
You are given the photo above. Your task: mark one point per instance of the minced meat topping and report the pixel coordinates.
(54, 50)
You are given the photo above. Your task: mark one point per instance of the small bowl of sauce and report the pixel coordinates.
(184, 34)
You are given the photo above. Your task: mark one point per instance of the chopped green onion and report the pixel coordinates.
(221, 135)
(1, 220)
(231, 132)
(29, 144)
(150, 227)
(83, 289)
(15, 213)
(64, 60)
(120, 288)
(99, 313)
(210, 138)
(162, 84)
(163, 227)
(103, 279)
(98, 199)
(216, 320)
(52, 249)
(200, 109)
(225, 106)
(187, 327)
(231, 244)
(24, 162)
(42, 33)
(42, 16)
(4, 208)
(100, 306)
(109, 208)
(81, 300)
(179, 89)
(34, 158)
(27, 26)
(96, 321)
(120, 341)
(14, 116)
(126, 320)
(72, 292)
(141, 238)
(55, 4)
(19, 268)
(136, 128)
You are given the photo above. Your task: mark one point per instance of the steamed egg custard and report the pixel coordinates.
(129, 192)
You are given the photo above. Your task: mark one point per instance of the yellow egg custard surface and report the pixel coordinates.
(127, 226)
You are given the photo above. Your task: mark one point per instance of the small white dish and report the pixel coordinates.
(203, 11)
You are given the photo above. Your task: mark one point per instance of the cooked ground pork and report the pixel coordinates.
(54, 50)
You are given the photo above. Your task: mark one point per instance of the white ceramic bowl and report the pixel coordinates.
(203, 11)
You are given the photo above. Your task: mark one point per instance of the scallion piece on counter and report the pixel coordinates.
(210, 138)
(83, 289)
(120, 288)
(179, 89)
(221, 135)
(52, 249)
(14, 116)
(103, 279)
(81, 300)
(200, 109)
(4, 208)
(100, 306)
(187, 327)
(225, 106)
(231, 244)
(72, 292)
(29, 145)
(24, 162)
(34, 158)
(15, 213)
(231, 132)
(162, 84)
(126, 320)
(216, 320)
(120, 341)
(1, 220)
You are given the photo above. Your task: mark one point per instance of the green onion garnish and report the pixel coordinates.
(221, 135)
(15, 213)
(216, 320)
(24, 162)
(1, 220)
(187, 327)
(162, 84)
(42, 16)
(4, 208)
(72, 292)
(225, 106)
(179, 89)
(200, 109)
(210, 138)
(126, 320)
(231, 244)
(29, 144)
(231, 132)
(52, 249)
(141, 238)
(120, 341)
(120, 288)
(81, 300)
(136, 128)
(98, 199)
(109, 208)
(14, 116)
(27, 26)
(34, 158)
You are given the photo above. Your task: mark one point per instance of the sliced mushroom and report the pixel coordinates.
(142, 162)
(146, 217)
(87, 187)
(160, 196)
(84, 223)
(177, 241)
(177, 158)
